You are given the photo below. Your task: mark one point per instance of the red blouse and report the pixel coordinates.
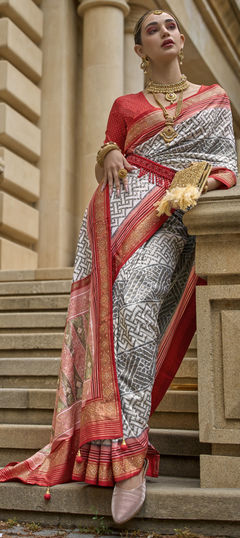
(124, 112)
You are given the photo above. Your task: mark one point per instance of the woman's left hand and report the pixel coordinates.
(212, 184)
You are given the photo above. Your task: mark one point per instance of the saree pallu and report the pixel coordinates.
(130, 320)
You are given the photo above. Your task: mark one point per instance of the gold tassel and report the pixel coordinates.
(79, 458)
(178, 198)
(123, 445)
(47, 495)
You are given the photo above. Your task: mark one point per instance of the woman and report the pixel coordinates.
(131, 314)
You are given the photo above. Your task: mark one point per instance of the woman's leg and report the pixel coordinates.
(139, 292)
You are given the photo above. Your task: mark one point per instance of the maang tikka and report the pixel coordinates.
(145, 64)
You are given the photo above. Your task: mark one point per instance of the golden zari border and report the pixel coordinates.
(101, 417)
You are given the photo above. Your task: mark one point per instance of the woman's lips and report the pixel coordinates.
(167, 43)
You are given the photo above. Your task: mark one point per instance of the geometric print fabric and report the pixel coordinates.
(196, 141)
(143, 286)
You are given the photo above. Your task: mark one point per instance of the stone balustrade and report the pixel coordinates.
(216, 223)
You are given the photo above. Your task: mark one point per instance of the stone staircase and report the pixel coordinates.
(33, 308)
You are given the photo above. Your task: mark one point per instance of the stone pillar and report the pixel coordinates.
(103, 48)
(216, 223)
(133, 75)
(57, 164)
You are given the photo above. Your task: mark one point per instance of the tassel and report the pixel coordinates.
(178, 198)
(123, 445)
(79, 458)
(47, 495)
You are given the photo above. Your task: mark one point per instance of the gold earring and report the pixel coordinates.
(181, 56)
(145, 64)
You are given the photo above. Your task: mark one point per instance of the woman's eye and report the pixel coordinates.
(172, 26)
(152, 30)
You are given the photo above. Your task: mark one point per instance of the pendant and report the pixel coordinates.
(168, 133)
(170, 96)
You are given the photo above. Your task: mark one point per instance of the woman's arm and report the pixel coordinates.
(98, 173)
(114, 160)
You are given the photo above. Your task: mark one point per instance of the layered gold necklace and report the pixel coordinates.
(168, 133)
(169, 90)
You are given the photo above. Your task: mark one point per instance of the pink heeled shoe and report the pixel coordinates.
(126, 503)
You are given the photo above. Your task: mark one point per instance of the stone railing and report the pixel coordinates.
(216, 223)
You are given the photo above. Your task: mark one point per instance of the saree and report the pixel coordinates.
(131, 313)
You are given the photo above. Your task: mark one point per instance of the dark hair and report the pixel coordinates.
(138, 26)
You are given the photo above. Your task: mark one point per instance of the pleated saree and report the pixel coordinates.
(131, 312)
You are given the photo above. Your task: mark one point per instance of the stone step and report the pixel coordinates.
(168, 421)
(179, 421)
(174, 443)
(49, 273)
(26, 416)
(42, 372)
(188, 368)
(24, 436)
(169, 465)
(32, 340)
(192, 350)
(33, 320)
(178, 442)
(38, 287)
(15, 398)
(179, 401)
(29, 372)
(177, 410)
(179, 450)
(171, 503)
(30, 353)
(27, 398)
(31, 302)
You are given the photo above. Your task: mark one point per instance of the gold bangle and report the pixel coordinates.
(205, 188)
(104, 150)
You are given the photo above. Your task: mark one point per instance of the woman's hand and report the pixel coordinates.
(211, 184)
(113, 162)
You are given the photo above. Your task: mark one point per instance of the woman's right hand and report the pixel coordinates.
(113, 162)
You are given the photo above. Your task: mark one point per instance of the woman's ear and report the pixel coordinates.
(182, 38)
(139, 50)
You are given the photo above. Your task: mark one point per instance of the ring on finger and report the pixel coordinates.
(122, 173)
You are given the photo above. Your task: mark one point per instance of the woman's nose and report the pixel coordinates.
(164, 31)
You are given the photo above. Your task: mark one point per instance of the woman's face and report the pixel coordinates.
(161, 39)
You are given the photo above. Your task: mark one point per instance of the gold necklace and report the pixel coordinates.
(168, 132)
(169, 90)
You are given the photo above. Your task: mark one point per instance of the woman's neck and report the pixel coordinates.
(166, 74)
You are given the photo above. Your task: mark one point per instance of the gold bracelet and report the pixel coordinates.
(104, 150)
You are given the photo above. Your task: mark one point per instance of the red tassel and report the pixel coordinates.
(79, 458)
(47, 495)
(124, 445)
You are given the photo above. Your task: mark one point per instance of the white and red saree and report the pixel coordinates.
(131, 313)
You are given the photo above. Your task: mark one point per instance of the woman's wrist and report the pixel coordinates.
(104, 150)
(213, 184)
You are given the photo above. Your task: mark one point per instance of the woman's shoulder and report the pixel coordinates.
(214, 89)
(129, 100)
(129, 106)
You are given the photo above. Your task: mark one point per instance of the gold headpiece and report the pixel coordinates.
(139, 23)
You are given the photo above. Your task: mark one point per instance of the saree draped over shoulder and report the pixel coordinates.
(131, 312)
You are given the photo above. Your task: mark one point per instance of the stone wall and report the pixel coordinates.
(21, 28)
